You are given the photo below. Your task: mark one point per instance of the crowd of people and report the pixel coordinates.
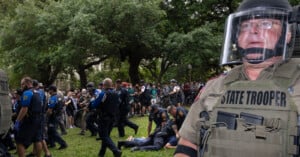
(43, 115)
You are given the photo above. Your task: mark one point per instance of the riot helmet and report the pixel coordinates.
(258, 31)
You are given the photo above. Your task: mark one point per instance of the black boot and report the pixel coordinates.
(118, 153)
(120, 144)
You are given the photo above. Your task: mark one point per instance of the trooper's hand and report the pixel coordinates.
(17, 125)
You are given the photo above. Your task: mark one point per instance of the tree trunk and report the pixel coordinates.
(134, 63)
(82, 75)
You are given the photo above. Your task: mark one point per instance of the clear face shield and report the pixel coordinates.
(257, 35)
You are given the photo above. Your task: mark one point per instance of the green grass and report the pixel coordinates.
(87, 146)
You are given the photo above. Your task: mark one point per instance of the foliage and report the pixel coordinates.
(155, 39)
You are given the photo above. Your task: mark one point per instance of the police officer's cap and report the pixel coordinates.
(52, 88)
(35, 83)
(119, 81)
(90, 85)
(173, 81)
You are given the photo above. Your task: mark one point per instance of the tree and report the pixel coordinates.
(132, 27)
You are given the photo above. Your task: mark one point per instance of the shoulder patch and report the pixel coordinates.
(25, 97)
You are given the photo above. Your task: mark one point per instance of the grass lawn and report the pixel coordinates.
(87, 146)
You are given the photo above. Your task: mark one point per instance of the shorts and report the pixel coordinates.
(30, 131)
(70, 113)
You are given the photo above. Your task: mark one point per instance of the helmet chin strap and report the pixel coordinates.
(265, 54)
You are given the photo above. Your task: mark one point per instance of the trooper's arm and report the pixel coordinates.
(185, 148)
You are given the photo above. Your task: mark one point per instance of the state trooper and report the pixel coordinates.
(252, 110)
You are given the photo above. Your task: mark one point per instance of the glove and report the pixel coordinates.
(17, 125)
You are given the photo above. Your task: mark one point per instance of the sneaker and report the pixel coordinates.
(118, 153)
(63, 147)
(81, 133)
(64, 133)
(119, 145)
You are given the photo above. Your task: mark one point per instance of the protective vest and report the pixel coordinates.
(124, 98)
(57, 110)
(254, 118)
(110, 106)
(35, 108)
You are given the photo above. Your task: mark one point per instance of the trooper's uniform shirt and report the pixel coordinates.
(235, 93)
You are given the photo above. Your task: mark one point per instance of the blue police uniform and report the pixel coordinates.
(154, 142)
(91, 117)
(158, 117)
(44, 109)
(124, 110)
(107, 104)
(180, 116)
(30, 127)
(53, 135)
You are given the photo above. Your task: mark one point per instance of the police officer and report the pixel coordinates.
(54, 109)
(36, 86)
(124, 109)
(107, 105)
(159, 116)
(250, 111)
(155, 141)
(91, 117)
(179, 114)
(28, 123)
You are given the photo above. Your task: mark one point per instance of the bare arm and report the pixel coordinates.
(22, 113)
(187, 143)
